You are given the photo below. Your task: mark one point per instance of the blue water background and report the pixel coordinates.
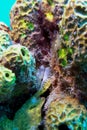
(5, 7)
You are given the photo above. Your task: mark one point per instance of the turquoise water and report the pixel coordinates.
(5, 7)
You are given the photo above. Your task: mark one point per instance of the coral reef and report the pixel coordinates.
(5, 39)
(29, 110)
(69, 50)
(65, 112)
(73, 33)
(27, 118)
(18, 59)
(43, 66)
(27, 17)
(34, 24)
(23, 20)
(7, 83)
(29, 115)
(4, 27)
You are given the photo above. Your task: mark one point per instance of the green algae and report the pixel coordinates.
(50, 2)
(31, 26)
(64, 54)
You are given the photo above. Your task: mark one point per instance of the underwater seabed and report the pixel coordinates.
(43, 66)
